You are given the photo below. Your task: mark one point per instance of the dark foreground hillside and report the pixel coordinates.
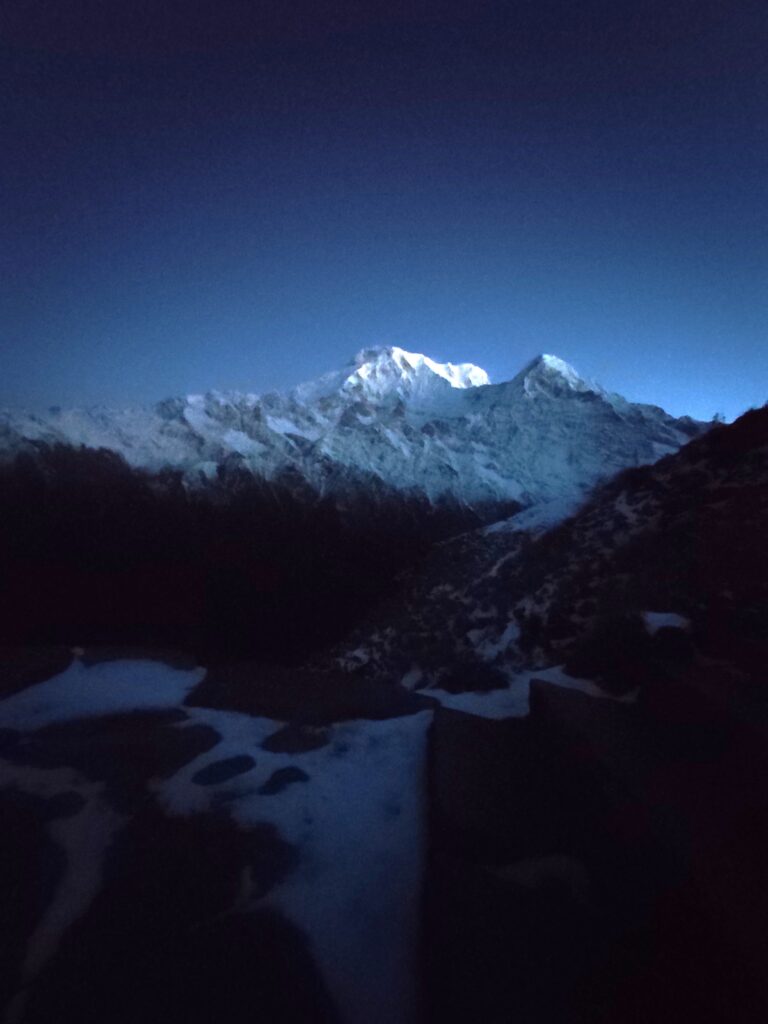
(92, 551)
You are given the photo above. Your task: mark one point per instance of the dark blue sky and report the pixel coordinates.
(243, 195)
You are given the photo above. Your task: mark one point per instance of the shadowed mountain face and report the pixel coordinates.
(394, 417)
(685, 535)
(93, 551)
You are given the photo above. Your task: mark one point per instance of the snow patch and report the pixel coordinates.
(101, 689)
(240, 443)
(489, 649)
(509, 702)
(654, 621)
(560, 677)
(282, 425)
(359, 824)
(84, 838)
(512, 701)
(412, 678)
(540, 517)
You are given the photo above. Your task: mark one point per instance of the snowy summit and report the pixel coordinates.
(391, 373)
(546, 371)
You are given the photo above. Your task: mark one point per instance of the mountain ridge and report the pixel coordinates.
(440, 429)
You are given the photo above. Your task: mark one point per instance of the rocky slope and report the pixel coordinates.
(686, 535)
(393, 417)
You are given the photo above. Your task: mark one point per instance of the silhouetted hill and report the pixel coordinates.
(94, 551)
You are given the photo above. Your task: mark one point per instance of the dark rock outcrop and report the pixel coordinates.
(222, 771)
(31, 866)
(125, 751)
(297, 739)
(303, 697)
(601, 862)
(281, 779)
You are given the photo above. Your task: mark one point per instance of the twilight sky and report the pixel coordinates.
(243, 194)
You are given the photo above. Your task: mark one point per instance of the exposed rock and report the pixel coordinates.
(302, 697)
(297, 739)
(31, 866)
(600, 861)
(281, 779)
(66, 804)
(223, 771)
(685, 535)
(123, 750)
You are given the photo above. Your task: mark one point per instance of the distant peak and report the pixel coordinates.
(552, 364)
(547, 369)
(382, 373)
(391, 373)
(377, 354)
(391, 359)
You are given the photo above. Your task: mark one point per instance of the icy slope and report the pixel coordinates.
(415, 424)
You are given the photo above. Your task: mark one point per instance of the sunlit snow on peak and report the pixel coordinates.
(391, 373)
(559, 366)
(548, 371)
(392, 362)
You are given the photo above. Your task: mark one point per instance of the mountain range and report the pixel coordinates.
(391, 417)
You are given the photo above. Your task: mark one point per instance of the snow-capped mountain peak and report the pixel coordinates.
(393, 361)
(391, 373)
(546, 372)
(392, 416)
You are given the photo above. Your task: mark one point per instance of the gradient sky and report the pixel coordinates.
(243, 194)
